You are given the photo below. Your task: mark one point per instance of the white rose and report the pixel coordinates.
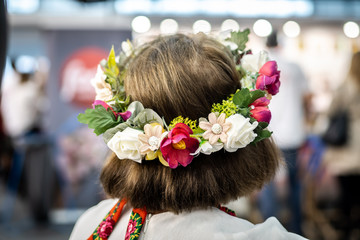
(102, 88)
(126, 144)
(253, 62)
(241, 132)
(207, 148)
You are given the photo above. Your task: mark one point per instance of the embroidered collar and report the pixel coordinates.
(136, 222)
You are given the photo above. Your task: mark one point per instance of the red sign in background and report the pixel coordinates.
(76, 73)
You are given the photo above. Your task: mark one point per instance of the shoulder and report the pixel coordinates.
(271, 229)
(213, 224)
(88, 221)
(197, 224)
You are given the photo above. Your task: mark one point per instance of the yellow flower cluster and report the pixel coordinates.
(191, 123)
(227, 107)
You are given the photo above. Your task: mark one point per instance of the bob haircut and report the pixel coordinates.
(183, 75)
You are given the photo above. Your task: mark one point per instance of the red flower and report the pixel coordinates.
(269, 78)
(124, 115)
(178, 145)
(106, 228)
(260, 110)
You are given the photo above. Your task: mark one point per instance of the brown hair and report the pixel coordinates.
(182, 75)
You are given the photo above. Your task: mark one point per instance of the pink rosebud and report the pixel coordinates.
(178, 145)
(124, 115)
(106, 228)
(260, 110)
(269, 78)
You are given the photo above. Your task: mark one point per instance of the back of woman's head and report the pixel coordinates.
(181, 75)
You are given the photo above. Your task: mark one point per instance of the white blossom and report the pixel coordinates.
(102, 88)
(241, 132)
(126, 144)
(253, 62)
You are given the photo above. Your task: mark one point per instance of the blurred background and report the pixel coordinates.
(50, 163)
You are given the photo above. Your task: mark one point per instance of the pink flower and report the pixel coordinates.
(124, 115)
(260, 110)
(130, 229)
(178, 145)
(106, 227)
(150, 140)
(269, 78)
(102, 103)
(216, 128)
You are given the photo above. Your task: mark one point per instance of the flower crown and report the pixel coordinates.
(134, 132)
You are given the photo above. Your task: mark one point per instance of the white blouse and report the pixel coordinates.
(200, 224)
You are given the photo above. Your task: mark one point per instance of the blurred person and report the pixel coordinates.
(6, 150)
(3, 39)
(288, 123)
(195, 166)
(23, 97)
(344, 161)
(23, 103)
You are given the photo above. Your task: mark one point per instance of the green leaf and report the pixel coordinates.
(165, 124)
(139, 118)
(111, 77)
(263, 125)
(108, 134)
(135, 107)
(255, 95)
(245, 97)
(112, 62)
(262, 134)
(198, 130)
(241, 98)
(121, 106)
(146, 116)
(240, 38)
(99, 119)
(244, 111)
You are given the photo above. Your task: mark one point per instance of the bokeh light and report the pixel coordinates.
(141, 24)
(169, 26)
(262, 28)
(201, 26)
(351, 29)
(230, 24)
(291, 29)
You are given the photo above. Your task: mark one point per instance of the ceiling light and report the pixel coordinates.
(169, 26)
(262, 28)
(291, 29)
(351, 29)
(201, 26)
(230, 24)
(141, 24)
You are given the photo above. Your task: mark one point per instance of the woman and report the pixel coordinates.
(196, 166)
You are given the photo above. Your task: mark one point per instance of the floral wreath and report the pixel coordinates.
(134, 132)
